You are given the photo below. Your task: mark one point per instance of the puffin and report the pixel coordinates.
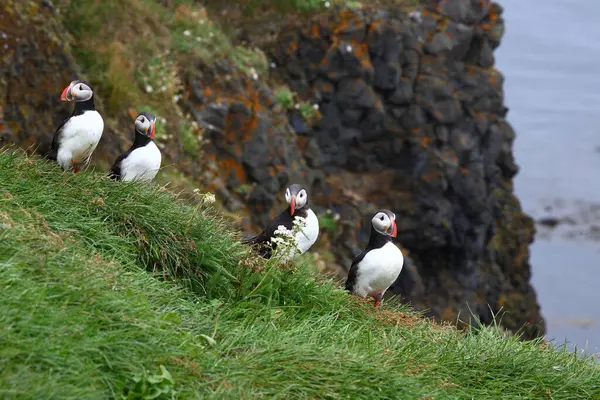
(376, 268)
(142, 161)
(297, 198)
(77, 137)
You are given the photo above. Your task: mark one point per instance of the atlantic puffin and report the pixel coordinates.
(142, 161)
(297, 199)
(77, 137)
(375, 269)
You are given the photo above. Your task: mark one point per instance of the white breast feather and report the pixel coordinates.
(79, 139)
(308, 236)
(305, 238)
(378, 270)
(142, 164)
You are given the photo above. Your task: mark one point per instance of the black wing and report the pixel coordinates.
(263, 239)
(53, 153)
(115, 171)
(353, 273)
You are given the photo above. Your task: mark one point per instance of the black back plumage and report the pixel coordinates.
(376, 241)
(80, 108)
(263, 240)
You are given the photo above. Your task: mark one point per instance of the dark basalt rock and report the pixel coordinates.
(413, 118)
(251, 152)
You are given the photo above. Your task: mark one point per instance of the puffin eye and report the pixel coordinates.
(80, 87)
(381, 218)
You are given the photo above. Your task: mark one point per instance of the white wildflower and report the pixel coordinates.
(187, 33)
(163, 88)
(198, 39)
(253, 73)
(415, 16)
(201, 22)
(283, 231)
(336, 217)
(149, 89)
(277, 240)
(211, 34)
(349, 48)
(327, 4)
(316, 106)
(209, 198)
(163, 120)
(196, 190)
(175, 98)
(273, 65)
(297, 106)
(300, 222)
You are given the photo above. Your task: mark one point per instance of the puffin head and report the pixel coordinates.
(145, 123)
(384, 222)
(296, 197)
(77, 91)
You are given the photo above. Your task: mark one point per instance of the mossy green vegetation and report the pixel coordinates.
(134, 51)
(121, 290)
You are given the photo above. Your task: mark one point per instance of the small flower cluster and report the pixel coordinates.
(207, 198)
(282, 236)
(159, 71)
(300, 222)
(285, 239)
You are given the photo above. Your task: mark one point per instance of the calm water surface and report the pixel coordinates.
(550, 57)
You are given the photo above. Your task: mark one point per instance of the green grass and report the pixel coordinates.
(289, 101)
(102, 283)
(134, 51)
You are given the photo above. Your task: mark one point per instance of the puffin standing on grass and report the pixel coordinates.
(142, 161)
(297, 199)
(375, 269)
(77, 137)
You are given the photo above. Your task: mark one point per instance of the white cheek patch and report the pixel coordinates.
(380, 225)
(301, 198)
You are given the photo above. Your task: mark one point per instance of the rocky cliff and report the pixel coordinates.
(406, 113)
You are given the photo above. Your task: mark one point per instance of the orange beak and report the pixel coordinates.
(293, 205)
(65, 94)
(152, 130)
(394, 229)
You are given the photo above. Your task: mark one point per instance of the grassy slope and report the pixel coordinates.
(86, 311)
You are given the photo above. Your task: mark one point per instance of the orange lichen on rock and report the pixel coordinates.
(231, 165)
(348, 20)
(425, 142)
(362, 52)
(291, 48)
